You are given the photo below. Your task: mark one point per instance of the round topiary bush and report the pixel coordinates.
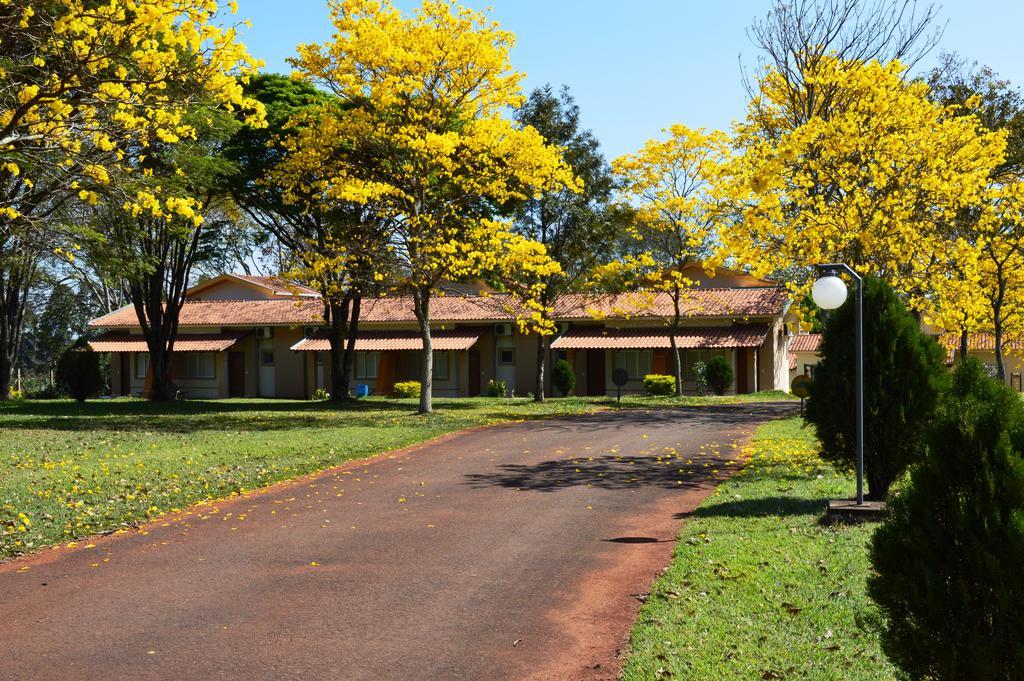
(659, 385)
(948, 558)
(563, 377)
(79, 371)
(719, 374)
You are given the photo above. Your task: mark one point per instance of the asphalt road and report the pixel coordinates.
(511, 552)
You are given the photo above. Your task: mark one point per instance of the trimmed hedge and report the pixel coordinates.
(659, 385)
(407, 389)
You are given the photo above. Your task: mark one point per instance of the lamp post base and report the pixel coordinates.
(848, 510)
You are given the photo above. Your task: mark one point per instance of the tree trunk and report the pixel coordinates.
(16, 279)
(1000, 361)
(340, 378)
(421, 299)
(964, 344)
(353, 331)
(542, 350)
(677, 362)
(162, 385)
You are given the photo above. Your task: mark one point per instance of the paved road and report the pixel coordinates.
(504, 553)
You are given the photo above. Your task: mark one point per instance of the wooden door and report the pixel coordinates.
(595, 373)
(126, 373)
(474, 372)
(236, 374)
(742, 370)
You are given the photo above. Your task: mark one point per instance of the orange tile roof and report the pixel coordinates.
(713, 303)
(380, 341)
(805, 342)
(186, 342)
(700, 302)
(601, 338)
(284, 312)
(984, 342)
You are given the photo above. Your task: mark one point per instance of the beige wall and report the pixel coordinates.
(232, 290)
(802, 359)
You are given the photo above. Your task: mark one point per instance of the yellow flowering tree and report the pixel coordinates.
(423, 140)
(872, 176)
(84, 87)
(671, 185)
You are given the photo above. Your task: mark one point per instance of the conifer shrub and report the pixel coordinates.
(80, 372)
(719, 374)
(563, 377)
(904, 374)
(949, 558)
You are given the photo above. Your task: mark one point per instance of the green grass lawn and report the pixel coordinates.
(759, 589)
(68, 471)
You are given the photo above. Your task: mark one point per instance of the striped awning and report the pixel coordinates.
(600, 338)
(186, 342)
(382, 341)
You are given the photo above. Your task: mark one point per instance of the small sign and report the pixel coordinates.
(620, 377)
(801, 386)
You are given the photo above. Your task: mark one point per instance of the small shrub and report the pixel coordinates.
(563, 377)
(497, 389)
(407, 389)
(321, 395)
(16, 395)
(948, 557)
(659, 385)
(719, 374)
(78, 369)
(700, 375)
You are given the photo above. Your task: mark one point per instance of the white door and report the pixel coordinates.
(267, 368)
(505, 356)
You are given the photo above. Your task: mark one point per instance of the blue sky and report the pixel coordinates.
(637, 67)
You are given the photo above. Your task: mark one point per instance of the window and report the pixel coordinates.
(366, 364)
(197, 365)
(141, 365)
(506, 356)
(637, 363)
(442, 366)
(561, 354)
(691, 357)
(267, 358)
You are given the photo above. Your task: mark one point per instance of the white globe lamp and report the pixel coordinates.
(829, 292)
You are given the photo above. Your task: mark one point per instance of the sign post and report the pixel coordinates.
(801, 387)
(620, 378)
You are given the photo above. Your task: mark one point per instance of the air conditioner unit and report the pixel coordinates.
(502, 329)
(308, 332)
(264, 332)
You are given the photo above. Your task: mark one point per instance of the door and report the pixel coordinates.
(236, 374)
(474, 372)
(742, 371)
(595, 373)
(267, 368)
(126, 373)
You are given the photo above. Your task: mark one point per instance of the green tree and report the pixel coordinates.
(577, 227)
(904, 374)
(307, 225)
(948, 558)
(173, 222)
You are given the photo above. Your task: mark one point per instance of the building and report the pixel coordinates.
(253, 336)
(804, 353)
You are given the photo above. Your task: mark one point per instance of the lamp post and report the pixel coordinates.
(829, 292)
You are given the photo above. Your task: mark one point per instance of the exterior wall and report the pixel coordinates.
(1014, 365)
(231, 290)
(803, 359)
(773, 360)
(289, 367)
